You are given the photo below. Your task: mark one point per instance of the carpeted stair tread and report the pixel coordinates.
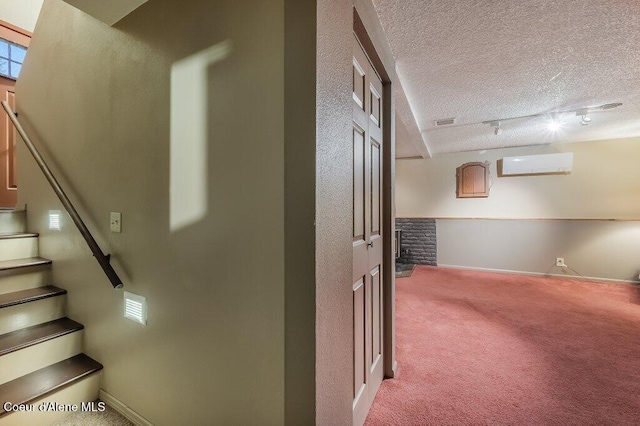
(31, 295)
(6, 265)
(30, 336)
(28, 388)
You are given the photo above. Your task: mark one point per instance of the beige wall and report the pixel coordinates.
(334, 310)
(300, 209)
(21, 13)
(250, 307)
(97, 100)
(603, 185)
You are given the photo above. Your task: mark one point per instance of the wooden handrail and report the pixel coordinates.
(102, 259)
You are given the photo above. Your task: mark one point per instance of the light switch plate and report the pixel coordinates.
(116, 222)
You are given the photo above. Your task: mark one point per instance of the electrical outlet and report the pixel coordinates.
(116, 222)
(560, 261)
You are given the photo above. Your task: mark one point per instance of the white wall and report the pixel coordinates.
(528, 221)
(21, 13)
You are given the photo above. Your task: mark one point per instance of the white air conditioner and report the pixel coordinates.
(536, 164)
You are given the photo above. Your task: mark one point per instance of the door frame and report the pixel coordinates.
(390, 365)
(21, 37)
(15, 34)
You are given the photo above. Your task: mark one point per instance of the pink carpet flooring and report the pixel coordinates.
(478, 348)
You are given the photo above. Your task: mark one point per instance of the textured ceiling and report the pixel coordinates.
(480, 60)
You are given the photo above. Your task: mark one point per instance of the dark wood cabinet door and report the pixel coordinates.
(472, 180)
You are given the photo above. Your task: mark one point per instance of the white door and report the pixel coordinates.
(367, 234)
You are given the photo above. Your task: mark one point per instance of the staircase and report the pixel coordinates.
(41, 359)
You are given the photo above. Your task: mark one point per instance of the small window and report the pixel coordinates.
(11, 59)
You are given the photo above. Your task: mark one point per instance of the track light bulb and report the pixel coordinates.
(554, 125)
(585, 120)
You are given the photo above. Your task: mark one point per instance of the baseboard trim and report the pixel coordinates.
(123, 409)
(540, 274)
(395, 368)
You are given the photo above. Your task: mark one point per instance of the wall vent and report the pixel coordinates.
(135, 307)
(445, 122)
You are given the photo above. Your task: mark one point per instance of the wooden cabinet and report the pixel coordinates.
(472, 180)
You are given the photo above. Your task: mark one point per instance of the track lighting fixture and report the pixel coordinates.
(555, 123)
(498, 130)
(584, 113)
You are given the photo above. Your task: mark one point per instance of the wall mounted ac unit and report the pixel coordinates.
(544, 164)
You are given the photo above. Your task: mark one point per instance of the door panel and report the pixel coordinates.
(358, 183)
(376, 107)
(359, 84)
(8, 193)
(376, 188)
(376, 318)
(367, 235)
(359, 319)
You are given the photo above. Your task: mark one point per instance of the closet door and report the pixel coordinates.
(367, 234)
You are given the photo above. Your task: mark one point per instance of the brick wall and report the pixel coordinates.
(418, 241)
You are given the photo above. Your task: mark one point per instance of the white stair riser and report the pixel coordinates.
(18, 248)
(12, 222)
(27, 314)
(24, 278)
(28, 360)
(83, 391)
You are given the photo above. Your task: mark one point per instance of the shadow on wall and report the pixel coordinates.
(188, 187)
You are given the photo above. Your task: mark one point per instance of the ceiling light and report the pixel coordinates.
(554, 124)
